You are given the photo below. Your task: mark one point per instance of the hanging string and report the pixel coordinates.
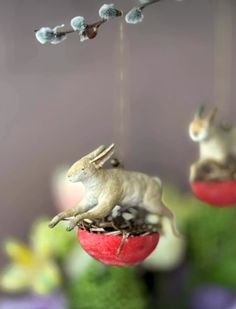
(223, 57)
(122, 104)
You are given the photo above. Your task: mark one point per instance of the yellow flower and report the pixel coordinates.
(29, 270)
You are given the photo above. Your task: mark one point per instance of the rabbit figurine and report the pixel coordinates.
(106, 188)
(217, 143)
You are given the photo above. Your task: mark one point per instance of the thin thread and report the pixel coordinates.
(122, 102)
(223, 56)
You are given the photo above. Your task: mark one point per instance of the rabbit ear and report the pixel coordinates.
(104, 156)
(212, 115)
(199, 112)
(96, 152)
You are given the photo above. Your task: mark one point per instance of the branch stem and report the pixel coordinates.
(143, 6)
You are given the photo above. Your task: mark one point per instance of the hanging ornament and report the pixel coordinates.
(123, 238)
(116, 235)
(213, 176)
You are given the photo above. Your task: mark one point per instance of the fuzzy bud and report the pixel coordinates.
(108, 11)
(58, 37)
(47, 35)
(134, 16)
(83, 37)
(78, 23)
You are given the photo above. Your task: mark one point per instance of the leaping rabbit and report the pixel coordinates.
(106, 188)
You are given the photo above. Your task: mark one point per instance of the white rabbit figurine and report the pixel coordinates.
(106, 188)
(217, 143)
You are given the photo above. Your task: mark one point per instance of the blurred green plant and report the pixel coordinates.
(212, 245)
(210, 236)
(107, 287)
(52, 242)
(184, 205)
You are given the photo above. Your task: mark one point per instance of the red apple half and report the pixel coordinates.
(216, 193)
(104, 247)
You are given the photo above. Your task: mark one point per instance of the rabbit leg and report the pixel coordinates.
(100, 211)
(166, 212)
(62, 215)
(80, 208)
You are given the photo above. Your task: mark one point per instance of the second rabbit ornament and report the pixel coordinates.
(213, 176)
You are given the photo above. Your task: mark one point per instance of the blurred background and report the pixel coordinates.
(59, 102)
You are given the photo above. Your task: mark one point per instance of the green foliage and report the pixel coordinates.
(184, 205)
(210, 234)
(212, 245)
(54, 242)
(107, 287)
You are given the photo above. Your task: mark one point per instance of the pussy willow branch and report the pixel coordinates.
(97, 24)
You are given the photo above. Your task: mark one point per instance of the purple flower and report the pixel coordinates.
(208, 297)
(55, 301)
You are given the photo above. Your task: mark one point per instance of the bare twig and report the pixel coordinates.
(144, 5)
(124, 238)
